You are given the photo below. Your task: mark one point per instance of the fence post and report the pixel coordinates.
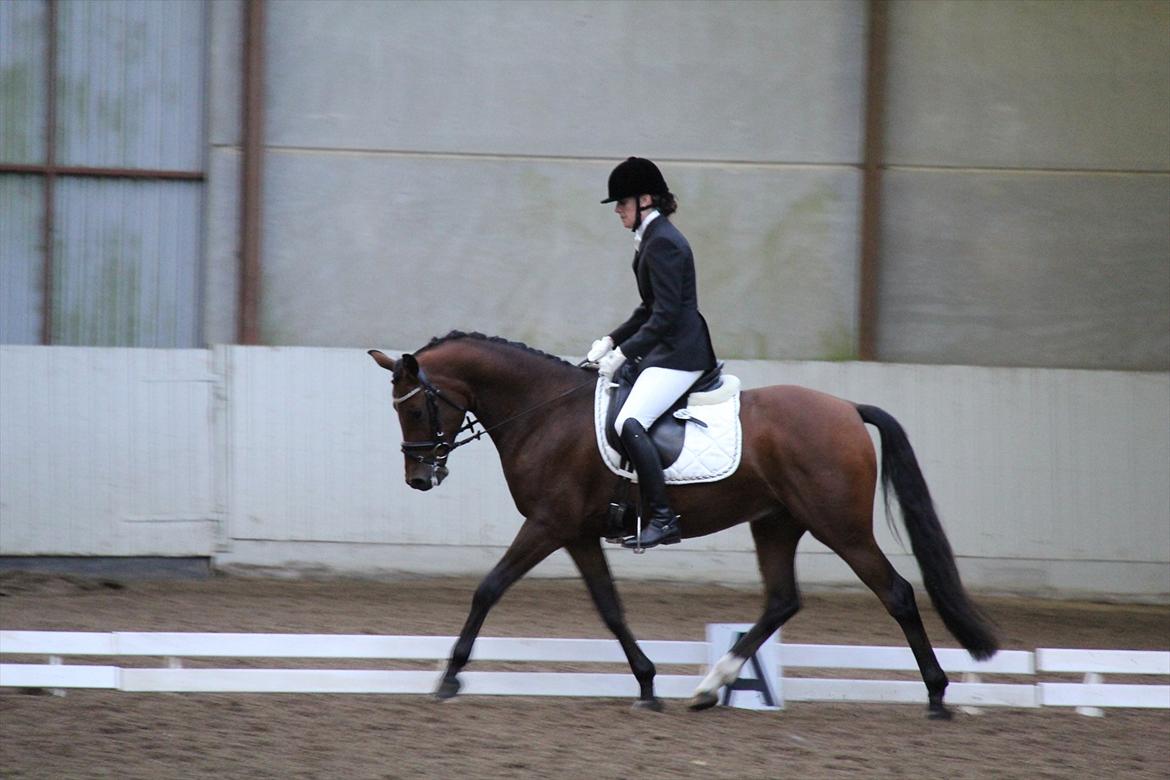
(56, 660)
(1092, 678)
(971, 677)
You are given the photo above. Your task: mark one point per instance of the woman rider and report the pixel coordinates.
(666, 338)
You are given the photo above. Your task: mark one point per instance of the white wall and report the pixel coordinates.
(1046, 480)
(107, 451)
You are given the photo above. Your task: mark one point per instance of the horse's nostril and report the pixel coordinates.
(418, 483)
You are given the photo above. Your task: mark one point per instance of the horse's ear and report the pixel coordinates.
(410, 364)
(381, 359)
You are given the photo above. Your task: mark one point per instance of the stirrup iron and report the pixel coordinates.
(638, 548)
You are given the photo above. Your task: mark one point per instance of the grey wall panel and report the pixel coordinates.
(361, 248)
(21, 268)
(728, 81)
(224, 71)
(130, 91)
(1040, 270)
(776, 251)
(1082, 85)
(221, 275)
(126, 268)
(22, 82)
(433, 165)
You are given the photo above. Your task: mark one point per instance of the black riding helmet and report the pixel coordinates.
(633, 177)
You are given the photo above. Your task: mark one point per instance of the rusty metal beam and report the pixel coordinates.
(871, 178)
(251, 172)
(85, 170)
(48, 193)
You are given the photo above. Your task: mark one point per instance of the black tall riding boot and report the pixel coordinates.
(660, 524)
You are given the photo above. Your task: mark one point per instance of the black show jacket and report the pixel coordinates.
(666, 329)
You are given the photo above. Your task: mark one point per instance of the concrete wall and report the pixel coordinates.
(1025, 207)
(435, 165)
(438, 165)
(456, 183)
(1047, 481)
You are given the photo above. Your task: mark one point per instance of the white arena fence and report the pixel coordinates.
(967, 689)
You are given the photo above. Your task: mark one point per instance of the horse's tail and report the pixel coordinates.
(931, 548)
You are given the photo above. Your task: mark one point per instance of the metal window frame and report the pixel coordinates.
(49, 170)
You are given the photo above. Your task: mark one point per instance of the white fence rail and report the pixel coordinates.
(1088, 695)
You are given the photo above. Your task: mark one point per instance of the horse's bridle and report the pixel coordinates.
(434, 452)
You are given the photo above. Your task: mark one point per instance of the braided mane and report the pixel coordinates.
(456, 335)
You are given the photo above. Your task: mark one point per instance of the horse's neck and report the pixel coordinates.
(511, 390)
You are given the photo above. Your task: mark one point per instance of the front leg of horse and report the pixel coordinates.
(529, 548)
(449, 684)
(486, 595)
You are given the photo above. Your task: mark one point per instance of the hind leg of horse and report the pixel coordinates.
(776, 539)
(531, 546)
(590, 561)
(897, 595)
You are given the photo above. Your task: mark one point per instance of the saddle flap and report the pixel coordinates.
(669, 431)
(706, 450)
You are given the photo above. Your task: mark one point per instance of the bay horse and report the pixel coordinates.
(808, 466)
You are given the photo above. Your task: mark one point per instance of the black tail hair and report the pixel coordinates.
(900, 472)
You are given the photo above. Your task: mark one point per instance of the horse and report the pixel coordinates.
(808, 466)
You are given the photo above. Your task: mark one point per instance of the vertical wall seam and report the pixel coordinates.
(871, 180)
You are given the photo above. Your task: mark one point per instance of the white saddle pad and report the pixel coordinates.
(709, 453)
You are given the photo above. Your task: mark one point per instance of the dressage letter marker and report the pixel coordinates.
(764, 690)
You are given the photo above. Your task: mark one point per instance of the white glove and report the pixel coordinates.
(599, 349)
(609, 364)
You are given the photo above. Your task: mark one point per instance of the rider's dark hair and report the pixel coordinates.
(665, 203)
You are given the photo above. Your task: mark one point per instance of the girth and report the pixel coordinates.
(668, 432)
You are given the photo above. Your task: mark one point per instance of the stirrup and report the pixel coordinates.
(674, 536)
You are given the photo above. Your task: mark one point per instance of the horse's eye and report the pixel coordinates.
(416, 415)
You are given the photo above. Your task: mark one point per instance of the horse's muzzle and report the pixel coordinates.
(432, 477)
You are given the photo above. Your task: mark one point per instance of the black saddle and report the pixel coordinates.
(668, 431)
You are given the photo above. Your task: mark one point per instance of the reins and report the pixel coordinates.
(475, 421)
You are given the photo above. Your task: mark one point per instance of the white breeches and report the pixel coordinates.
(655, 391)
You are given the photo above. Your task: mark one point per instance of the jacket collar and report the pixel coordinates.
(647, 233)
(649, 219)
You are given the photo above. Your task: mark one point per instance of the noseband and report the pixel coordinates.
(433, 452)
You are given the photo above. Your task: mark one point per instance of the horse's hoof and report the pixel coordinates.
(654, 705)
(703, 701)
(939, 712)
(447, 689)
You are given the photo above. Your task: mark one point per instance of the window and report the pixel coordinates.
(101, 219)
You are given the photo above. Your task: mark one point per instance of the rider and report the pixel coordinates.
(666, 338)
